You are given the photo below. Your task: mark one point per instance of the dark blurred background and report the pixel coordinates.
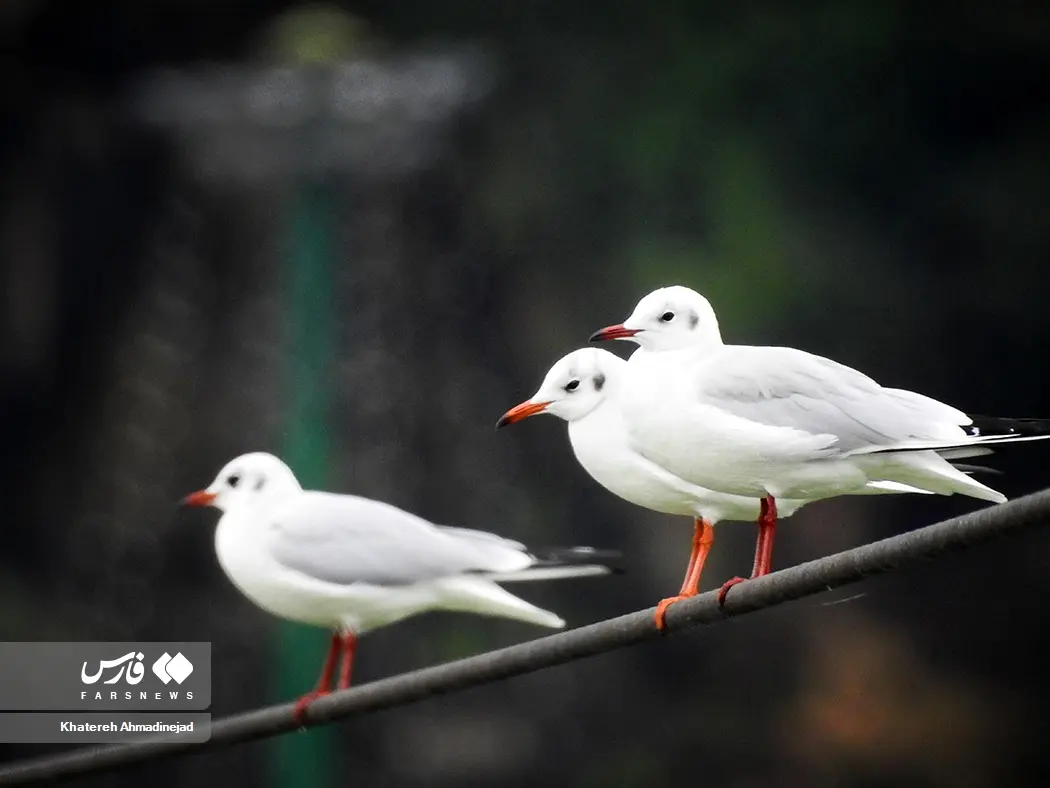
(195, 266)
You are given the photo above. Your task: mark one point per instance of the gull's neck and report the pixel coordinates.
(603, 426)
(606, 416)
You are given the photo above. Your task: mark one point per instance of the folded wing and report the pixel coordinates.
(788, 388)
(345, 539)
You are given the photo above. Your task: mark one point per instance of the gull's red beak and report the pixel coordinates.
(522, 411)
(613, 332)
(199, 498)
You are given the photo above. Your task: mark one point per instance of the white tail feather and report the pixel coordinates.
(549, 573)
(929, 471)
(481, 595)
(897, 487)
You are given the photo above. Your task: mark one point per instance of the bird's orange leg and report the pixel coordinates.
(349, 646)
(766, 531)
(767, 523)
(703, 538)
(324, 684)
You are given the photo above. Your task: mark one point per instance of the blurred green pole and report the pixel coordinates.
(306, 759)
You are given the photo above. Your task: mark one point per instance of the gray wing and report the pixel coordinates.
(345, 539)
(784, 387)
(482, 539)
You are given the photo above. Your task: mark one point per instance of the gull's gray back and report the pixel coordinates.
(784, 387)
(345, 539)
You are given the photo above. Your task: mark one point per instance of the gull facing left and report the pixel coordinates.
(583, 389)
(351, 564)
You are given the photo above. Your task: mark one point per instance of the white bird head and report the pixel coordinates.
(670, 318)
(244, 480)
(576, 385)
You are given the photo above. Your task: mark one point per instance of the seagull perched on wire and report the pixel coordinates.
(584, 389)
(352, 564)
(775, 423)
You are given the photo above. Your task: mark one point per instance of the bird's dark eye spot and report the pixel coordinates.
(259, 483)
(667, 317)
(572, 385)
(233, 479)
(599, 381)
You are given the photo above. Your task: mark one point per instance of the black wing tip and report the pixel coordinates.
(986, 426)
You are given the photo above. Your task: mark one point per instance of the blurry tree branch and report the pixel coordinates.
(806, 579)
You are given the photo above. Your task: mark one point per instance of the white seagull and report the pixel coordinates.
(584, 389)
(352, 564)
(774, 422)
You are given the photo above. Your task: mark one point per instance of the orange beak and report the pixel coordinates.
(199, 498)
(522, 411)
(613, 332)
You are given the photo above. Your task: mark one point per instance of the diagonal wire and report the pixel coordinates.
(806, 579)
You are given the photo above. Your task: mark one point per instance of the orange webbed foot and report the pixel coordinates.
(725, 589)
(304, 702)
(661, 609)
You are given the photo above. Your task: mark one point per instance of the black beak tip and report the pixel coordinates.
(503, 422)
(596, 336)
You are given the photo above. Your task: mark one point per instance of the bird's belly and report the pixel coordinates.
(738, 457)
(815, 480)
(294, 596)
(756, 476)
(268, 587)
(638, 486)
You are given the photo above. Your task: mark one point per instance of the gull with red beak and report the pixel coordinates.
(583, 389)
(352, 564)
(772, 423)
